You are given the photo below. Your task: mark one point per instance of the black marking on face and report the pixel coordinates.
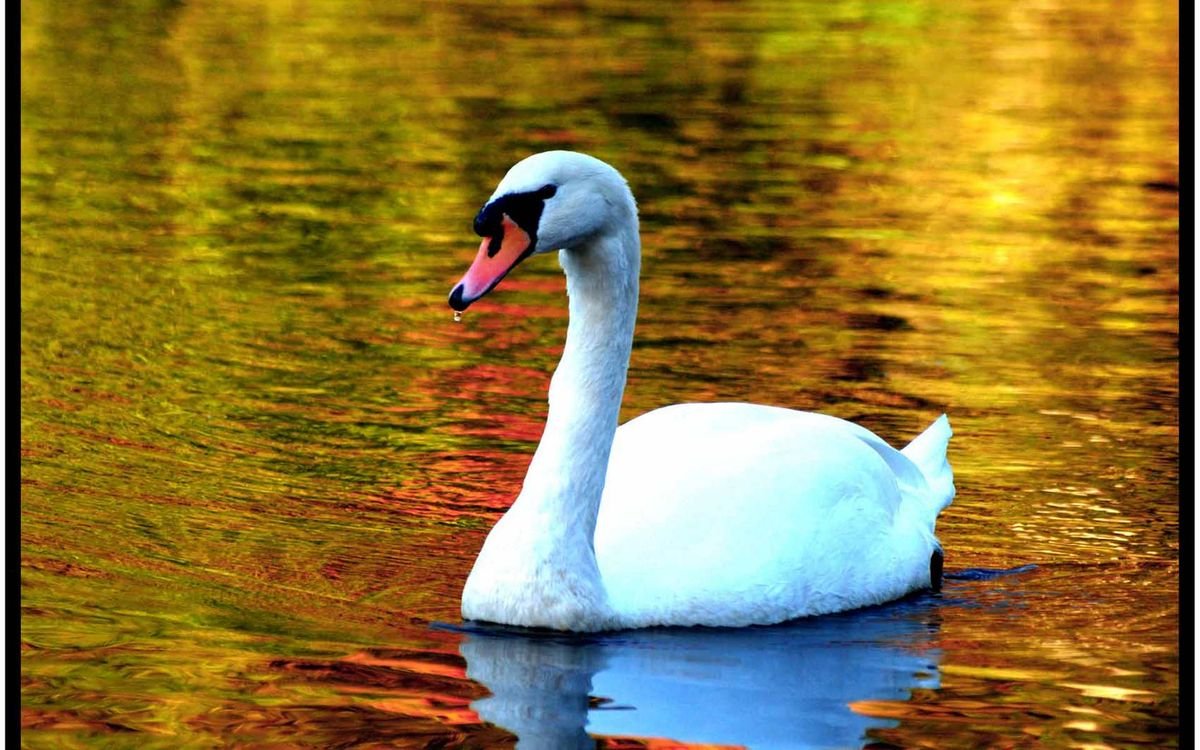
(525, 209)
(935, 569)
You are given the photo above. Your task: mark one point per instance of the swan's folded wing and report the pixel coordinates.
(737, 513)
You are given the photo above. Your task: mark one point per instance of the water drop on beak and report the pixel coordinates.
(458, 316)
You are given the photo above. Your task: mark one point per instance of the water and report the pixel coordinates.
(258, 456)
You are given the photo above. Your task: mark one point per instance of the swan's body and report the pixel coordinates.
(695, 514)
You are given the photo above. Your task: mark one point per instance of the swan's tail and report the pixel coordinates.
(928, 452)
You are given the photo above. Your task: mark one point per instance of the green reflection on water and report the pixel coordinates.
(251, 432)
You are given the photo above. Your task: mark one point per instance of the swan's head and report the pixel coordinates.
(555, 200)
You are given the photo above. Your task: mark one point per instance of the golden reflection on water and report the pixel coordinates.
(258, 455)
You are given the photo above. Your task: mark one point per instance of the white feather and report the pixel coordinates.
(694, 514)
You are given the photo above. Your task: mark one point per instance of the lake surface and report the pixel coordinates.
(259, 457)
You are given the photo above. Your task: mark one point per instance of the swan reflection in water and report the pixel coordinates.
(789, 685)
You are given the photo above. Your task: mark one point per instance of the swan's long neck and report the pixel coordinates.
(566, 478)
(538, 566)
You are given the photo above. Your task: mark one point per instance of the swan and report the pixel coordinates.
(699, 514)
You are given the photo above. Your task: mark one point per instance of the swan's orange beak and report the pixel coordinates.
(496, 257)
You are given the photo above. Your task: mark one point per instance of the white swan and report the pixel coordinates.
(721, 514)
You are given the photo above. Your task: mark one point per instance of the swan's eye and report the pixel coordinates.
(524, 208)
